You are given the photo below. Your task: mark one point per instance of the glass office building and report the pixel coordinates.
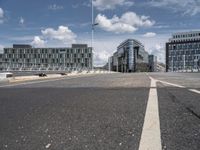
(152, 63)
(183, 52)
(130, 57)
(25, 57)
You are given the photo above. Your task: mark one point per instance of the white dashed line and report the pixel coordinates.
(151, 136)
(48, 145)
(179, 86)
(172, 84)
(195, 91)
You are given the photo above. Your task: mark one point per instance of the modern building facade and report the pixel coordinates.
(25, 57)
(130, 57)
(152, 63)
(183, 52)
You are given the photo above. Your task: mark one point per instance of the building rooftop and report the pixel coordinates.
(21, 46)
(79, 46)
(185, 36)
(130, 40)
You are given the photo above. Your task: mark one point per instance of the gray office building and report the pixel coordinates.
(183, 52)
(152, 63)
(130, 57)
(25, 57)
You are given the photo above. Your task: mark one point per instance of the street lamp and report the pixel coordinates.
(93, 25)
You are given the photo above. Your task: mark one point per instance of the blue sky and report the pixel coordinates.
(59, 23)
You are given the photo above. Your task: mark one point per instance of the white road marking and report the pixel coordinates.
(35, 82)
(195, 91)
(172, 84)
(48, 145)
(179, 86)
(151, 136)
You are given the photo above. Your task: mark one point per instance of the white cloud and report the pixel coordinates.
(38, 42)
(149, 34)
(159, 51)
(103, 49)
(111, 4)
(101, 58)
(21, 21)
(187, 7)
(127, 23)
(55, 7)
(1, 48)
(1, 15)
(63, 34)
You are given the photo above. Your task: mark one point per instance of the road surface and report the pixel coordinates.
(102, 112)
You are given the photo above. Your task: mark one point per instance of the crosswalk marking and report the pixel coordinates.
(151, 137)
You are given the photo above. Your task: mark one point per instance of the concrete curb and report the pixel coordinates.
(51, 76)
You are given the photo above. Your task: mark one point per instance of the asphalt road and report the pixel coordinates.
(103, 112)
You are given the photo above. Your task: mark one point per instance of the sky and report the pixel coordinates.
(59, 23)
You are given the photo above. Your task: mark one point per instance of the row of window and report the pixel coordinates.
(45, 51)
(184, 46)
(186, 40)
(47, 60)
(64, 56)
(186, 35)
(190, 58)
(46, 65)
(176, 64)
(192, 52)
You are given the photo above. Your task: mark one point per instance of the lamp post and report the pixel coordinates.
(93, 26)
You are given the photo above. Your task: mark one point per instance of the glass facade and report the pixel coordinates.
(130, 54)
(183, 55)
(47, 58)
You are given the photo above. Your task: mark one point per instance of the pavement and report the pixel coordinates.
(102, 111)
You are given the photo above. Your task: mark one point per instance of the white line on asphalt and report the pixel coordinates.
(35, 82)
(195, 91)
(172, 84)
(179, 86)
(151, 137)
